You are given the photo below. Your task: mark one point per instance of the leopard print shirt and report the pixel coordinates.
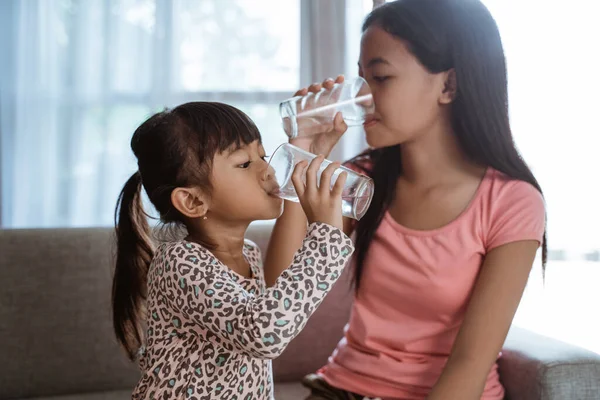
(211, 333)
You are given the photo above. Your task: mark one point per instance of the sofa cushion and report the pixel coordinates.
(58, 339)
(56, 333)
(537, 367)
(283, 391)
(290, 391)
(112, 395)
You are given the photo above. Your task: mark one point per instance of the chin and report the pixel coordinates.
(274, 209)
(379, 137)
(376, 141)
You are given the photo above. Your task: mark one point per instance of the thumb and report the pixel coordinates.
(339, 125)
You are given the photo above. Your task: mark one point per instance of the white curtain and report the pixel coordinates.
(551, 50)
(78, 76)
(552, 55)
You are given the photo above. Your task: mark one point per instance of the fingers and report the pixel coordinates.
(315, 87)
(301, 92)
(325, 185)
(339, 125)
(311, 173)
(338, 187)
(323, 203)
(328, 83)
(297, 178)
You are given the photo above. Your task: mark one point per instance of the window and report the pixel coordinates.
(553, 107)
(87, 72)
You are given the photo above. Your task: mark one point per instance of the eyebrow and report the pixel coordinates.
(231, 151)
(375, 61)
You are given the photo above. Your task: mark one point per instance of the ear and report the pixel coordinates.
(190, 202)
(450, 87)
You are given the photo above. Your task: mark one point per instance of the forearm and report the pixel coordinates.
(286, 238)
(264, 325)
(460, 380)
(492, 306)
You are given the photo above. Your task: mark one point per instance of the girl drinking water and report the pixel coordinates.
(196, 312)
(445, 249)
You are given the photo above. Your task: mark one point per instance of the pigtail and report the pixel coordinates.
(133, 256)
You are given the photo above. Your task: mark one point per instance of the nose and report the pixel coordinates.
(268, 172)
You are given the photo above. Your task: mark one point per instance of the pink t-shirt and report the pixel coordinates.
(415, 289)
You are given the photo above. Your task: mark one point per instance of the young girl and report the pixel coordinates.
(445, 250)
(210, 325)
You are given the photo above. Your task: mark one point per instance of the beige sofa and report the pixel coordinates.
(56, 339)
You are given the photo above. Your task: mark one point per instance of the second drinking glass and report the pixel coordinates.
(315, 112)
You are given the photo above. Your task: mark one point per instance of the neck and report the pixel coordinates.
(225, 241)
(434, 158)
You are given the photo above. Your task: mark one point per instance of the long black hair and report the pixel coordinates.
(174, 148)
(444, 35)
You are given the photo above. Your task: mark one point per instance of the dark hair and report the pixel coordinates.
(444, 35)
(174, 148)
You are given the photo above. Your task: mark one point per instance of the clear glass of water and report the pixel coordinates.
(358, 189)
(314, 113)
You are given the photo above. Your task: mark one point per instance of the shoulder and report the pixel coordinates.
(514, 210)
(253, 252)
(183, 257)
(184, 249)
(507, 193)
(362, 163)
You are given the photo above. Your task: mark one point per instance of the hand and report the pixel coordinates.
(322, 203)
(323, 140)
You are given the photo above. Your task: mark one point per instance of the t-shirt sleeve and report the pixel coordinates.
(519, 213)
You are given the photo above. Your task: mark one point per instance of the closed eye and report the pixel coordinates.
(380, 78)
(246, 165)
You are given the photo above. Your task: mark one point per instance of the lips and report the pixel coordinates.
(276, 191)
(370, 121)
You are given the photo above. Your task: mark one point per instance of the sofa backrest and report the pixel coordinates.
(56, 336)
(56, 332)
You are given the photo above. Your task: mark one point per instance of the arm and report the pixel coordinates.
(491, 309)
(290, 227)
(286, 238)
(513, 230)
(287, 235)
(261, 326)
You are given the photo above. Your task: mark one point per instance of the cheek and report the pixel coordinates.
(227, 189)
(241, 189)
(407, 107)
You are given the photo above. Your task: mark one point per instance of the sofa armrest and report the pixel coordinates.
(535, 367)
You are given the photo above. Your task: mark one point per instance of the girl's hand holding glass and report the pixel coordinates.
(321, 202)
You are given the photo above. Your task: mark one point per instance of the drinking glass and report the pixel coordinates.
(357, 192)
(315, 112)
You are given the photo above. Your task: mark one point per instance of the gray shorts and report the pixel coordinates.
(321, 390)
